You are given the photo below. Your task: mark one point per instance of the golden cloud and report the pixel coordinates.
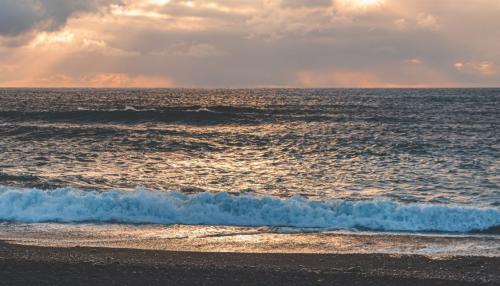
(101, 80)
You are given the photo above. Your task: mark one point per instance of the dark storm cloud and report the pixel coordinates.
(18, 17)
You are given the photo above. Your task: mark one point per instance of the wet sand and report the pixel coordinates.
(33, 265)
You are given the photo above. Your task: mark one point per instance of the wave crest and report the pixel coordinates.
(143, 206)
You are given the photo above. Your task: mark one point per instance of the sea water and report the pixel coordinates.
(410, 161)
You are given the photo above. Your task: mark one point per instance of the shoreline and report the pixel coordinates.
(231, 239)
(29, 265)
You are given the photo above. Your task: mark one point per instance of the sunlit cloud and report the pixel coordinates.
(158, 2)
(414, 61)
(361, 4)
(359, 79)
(136, 12)
(50, 39)
(483, 68)
(340, 79)
(246, 43)
(427, 21)
(459, 66)
(109, 80)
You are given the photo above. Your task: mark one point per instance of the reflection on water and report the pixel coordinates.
(238, 239)
(438, 146)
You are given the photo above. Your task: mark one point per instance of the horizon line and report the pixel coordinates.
(235, 88)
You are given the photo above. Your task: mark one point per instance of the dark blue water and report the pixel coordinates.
(439, 147)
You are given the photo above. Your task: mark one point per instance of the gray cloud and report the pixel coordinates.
(18, 17)
(244, 43)
(305, 3)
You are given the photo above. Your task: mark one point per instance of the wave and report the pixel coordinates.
(189, 115)
(126, 108)
(149, 207)
(129, 114)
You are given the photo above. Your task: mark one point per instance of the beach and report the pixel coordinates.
(29, 265)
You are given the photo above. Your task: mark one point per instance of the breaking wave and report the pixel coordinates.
(149, 207)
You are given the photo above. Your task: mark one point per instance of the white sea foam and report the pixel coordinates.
(202, 110)
(143, 206)
(130, 108)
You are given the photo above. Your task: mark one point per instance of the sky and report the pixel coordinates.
(249, 43)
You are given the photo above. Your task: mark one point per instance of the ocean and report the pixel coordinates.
(307, 170)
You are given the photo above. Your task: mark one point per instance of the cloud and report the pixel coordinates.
(199, 50)
(125, 80)
(248, 43)
(50, 39)
(340, 79)
(18, 17)
(459, 66)
(414, 61)
(305, 3)
(358, 6)
(401, 24)
(102, 47)
(427, 21)
(98, 80)
(8, 68)
(412, 73)
(483, 68)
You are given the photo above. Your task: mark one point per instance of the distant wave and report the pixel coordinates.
(128, 114)
(143, 206)
(126, 108)
(192, 115)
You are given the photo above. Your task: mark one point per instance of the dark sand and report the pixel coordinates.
(31, 265)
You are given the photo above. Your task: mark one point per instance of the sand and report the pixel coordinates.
(33, 265)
